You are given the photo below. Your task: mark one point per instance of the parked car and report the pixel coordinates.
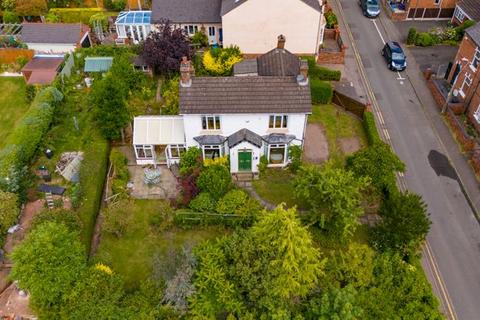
(370, 8)
(393, 54)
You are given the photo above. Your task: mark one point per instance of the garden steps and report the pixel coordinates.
(49, 199)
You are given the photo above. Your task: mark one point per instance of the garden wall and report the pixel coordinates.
(9, 55)
(461, 135)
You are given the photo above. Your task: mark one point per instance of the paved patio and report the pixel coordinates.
(167, 188)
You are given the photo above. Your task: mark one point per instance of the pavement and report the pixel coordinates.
(436, 169)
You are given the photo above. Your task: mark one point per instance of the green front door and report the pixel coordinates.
(244, 160)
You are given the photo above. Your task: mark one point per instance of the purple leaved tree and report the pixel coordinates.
(164, 49)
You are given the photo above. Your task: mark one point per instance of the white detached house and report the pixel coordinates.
(261, 111)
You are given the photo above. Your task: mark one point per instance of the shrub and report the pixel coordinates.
(119, 162)
(200, 38)
(295, 155)
(21, 61)
(425, 39)
(8, 211)
(332, 20)
(162, 218)
(222, 161)
(317, 72)
(216, 180)
(30, 92)
(263, 164)
(322, 91)
(190, 161)
(52, 18)
(68, 218)
(412, 36)
(115, 5)
(102, 18)
(460, 30)
(203, 203)
(170, 94)
(370, 128)
(220, 61)
(10, 17)
(76, 195)
(232, 201)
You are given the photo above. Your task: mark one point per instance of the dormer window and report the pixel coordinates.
(211, 122)
(278, 121)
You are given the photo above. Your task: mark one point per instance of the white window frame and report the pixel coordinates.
(211, 31)
(212, 147)
(145, 148)
(437, 2)
(459, 14)
(475, 60)
(205, 119)
(283, 121)
(285, 155)
(466, 81)
(476, 114)
(178, 147)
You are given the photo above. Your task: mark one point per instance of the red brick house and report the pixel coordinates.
(466, 10)
(420, 9)
(464, 75)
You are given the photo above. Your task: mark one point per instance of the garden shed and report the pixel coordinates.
(158, 139)
(42, 69)
(98, 64)
(134, 25)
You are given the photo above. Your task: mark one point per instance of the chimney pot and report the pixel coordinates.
(303, 76)
(281, 42)
(186, 72)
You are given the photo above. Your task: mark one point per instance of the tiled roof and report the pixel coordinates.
(245, 95)
(229, 5)
(471, 8)
(275, 138)
(474, 33)
(70, 33)
(210, 139)
(186, 11)
(278, 62)
(245, 67)
(43, 63)
(244, 135)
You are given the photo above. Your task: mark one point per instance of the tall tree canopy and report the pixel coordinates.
(262, 271)
(164, 49)
(47, 263)
(334, 196)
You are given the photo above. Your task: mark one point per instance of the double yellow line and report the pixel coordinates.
(426, 249)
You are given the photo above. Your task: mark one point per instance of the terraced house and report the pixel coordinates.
(260, 111)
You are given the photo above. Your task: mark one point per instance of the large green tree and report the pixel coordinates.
(379, 163)
(47, 264)
(335, 304)
(334, 196)
(265, 270)
(404, 224)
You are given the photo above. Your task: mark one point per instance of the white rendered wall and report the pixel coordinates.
(256, 154)
(51, 47)
(255, 25)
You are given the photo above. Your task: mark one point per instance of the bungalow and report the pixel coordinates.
(466, 10)
(245, 116)
(55, 38)
(465, 74)
(225, 22)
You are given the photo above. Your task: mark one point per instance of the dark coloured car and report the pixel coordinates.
(393, 54)
(370, 8)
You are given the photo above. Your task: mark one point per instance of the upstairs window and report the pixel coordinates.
(211, 122)
(476, 59)
(278, 121)
(459, 14)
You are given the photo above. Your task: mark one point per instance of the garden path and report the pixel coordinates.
(316, 144)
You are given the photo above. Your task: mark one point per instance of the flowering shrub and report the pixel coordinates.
(222, 161)
(103, 268)
(219, 62)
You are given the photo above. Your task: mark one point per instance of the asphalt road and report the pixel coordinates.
(455, 233)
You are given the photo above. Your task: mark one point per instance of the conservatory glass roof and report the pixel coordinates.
(133, 17)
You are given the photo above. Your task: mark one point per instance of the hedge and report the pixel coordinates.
(322, 91)
(75, 15)
(321, 73)
(185, 217)
(23, 142)
(370, 128)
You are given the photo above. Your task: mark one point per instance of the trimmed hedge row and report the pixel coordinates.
(185, 217)
(23, 142)
(75, 15)
(322, 91)
(321, 73)
(370, 128)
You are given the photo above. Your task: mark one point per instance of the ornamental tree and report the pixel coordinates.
(164, 49)
(215, 180)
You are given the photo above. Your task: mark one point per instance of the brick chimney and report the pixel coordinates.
(186, 72)
(302, 78)
(281, 42)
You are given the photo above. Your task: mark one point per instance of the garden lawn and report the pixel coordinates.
(12, 104)
(337, 124)
(75, 113)
(276, 186)
(132, 254)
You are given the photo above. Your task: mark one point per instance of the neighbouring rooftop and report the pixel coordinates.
(70, 33)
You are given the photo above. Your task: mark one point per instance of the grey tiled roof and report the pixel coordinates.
(471, 8)
(229, 5)
(474, 33)
(210, 139)
(245, 95)
(186, 11)
(244, 135)
(278, 62)
(275, 138)
(246, 66)
(70, 33)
